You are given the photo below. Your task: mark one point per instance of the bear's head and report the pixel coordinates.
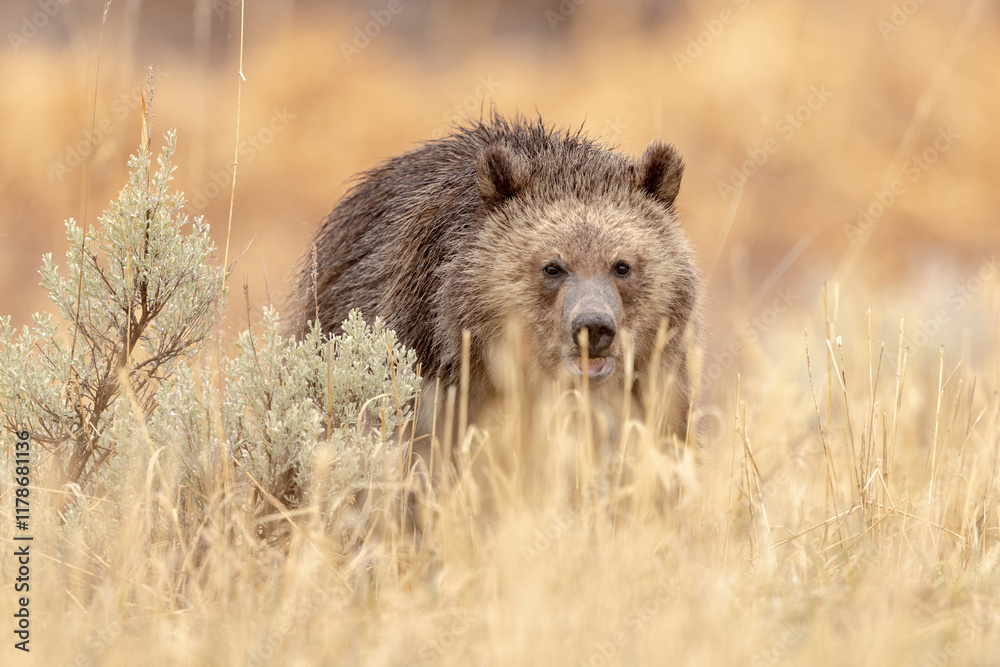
(580, 247)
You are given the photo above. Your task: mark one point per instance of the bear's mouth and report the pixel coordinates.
(597, 368)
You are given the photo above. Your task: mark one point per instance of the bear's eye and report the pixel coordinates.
(552, 270)
(622, 269)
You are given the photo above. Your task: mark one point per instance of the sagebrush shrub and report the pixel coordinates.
(136, 296)
(122, 397)
(287, 402)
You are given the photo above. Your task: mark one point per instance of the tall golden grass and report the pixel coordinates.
(843, 510)
(844, 504)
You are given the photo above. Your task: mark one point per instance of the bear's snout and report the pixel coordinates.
(601, 332)
(591, 305)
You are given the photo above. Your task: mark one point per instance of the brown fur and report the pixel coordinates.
(455, 236)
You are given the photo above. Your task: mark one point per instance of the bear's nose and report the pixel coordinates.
(600, 332)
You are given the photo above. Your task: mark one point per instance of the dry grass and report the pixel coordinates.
(844, 509)
(857, 525)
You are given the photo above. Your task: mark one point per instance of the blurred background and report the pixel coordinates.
(855, 142)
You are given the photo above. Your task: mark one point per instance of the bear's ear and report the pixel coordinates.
(659, 172)
(501, 174)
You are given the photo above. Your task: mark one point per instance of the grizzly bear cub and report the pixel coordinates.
(509, 226)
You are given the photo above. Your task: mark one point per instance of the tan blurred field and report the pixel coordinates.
(842, 521)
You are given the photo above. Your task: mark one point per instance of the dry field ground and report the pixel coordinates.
(842, 162)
